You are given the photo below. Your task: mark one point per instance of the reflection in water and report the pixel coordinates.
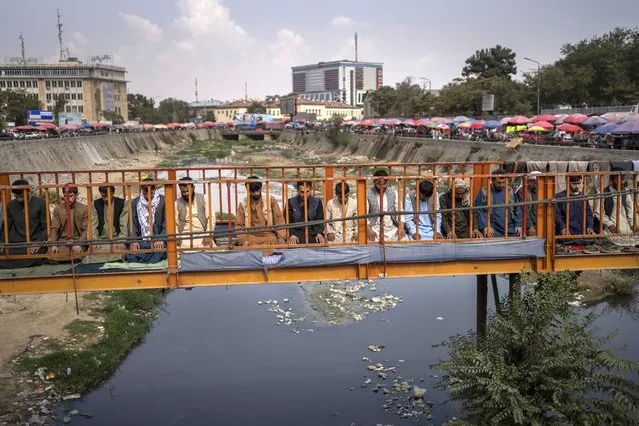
(217, 357)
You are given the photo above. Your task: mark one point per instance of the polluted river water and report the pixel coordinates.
(347, 353)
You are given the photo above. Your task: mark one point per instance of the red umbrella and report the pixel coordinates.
(173, 125)
(547, 117)
(148, 126)
(575, 118)
(569, 128)
(229, 124)
(546, 125)
(98, 125)
(367, 122)
(71, 127)
(24, 128)
(519, 119)
(477, 126)
(208, 124)
(40, 128)
(47, 126)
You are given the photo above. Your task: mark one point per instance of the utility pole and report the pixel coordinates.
(196, 99)
(60, 36)
(24, 58)
(245, 91)
(356, 56)
(538, 84)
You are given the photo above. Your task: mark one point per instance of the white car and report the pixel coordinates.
(32, 135)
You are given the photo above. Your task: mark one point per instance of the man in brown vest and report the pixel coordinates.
(109, 223)
(193, 217)
(69, 222)
(262, 213)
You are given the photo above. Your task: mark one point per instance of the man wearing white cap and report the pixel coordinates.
(531, 197)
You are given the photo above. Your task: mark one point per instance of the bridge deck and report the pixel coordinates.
(224, 188)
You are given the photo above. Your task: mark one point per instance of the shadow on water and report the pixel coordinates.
(218, 357)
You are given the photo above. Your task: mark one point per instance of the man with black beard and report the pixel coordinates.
(262, 214)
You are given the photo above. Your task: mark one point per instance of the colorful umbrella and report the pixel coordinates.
(546, 117)
(460, 119)
(442, 126)
(465, 125)
(476, 126)
(594, 121)
(492, 124)
(569, 128)
(560, 118)
(519, 119)
(147, 126)
(629, 127)
(544, 124)
(505, 120)
(47, 126)
(575, 118)
(537, 129)
(367, 122)
(24, 128)
(409, 122)
(606, 129)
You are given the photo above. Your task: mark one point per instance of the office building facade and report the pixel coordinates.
(87, 89)
(338, 81)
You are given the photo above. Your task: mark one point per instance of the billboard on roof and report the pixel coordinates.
(288, 105)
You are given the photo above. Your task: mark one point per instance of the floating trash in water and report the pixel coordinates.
(285, 300)
(376, 348)
(440, 318)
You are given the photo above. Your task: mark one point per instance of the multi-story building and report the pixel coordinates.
(324, 111)
(338, 81)
(87, 89)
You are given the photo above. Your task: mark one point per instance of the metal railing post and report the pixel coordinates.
(171, 229)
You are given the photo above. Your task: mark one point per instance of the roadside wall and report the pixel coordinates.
(416, 150)
(84, 153)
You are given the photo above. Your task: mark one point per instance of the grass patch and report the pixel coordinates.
(212, 149)
(79, 327)
(128, 316)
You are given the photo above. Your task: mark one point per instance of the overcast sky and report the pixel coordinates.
(166, 44)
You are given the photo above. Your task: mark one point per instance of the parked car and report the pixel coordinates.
(5, 136)
(31, 135)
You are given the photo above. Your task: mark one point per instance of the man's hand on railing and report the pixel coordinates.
(371, 234)
(438, 236)
(135, 246)
(119, 247)
(477, 234)
(564, 232)
(207, 242)
(590, 231)
(34, 250)
(450, 236)
(52, 250)
(293, 240)
(488, 232)
(158, 245)
(330, 236)
(320, 239)
(519, 231)
(76, 249)
(400, 232)
(532, 232)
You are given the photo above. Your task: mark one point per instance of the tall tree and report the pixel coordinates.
(256, 108)
(497, 61)
(141, 108)
(603, 70)
(113, 117)
(14, 106)
(383, 100)
(170, 110)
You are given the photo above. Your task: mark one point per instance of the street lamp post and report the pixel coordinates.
(153, 99)
(538, 84)
(429, 84)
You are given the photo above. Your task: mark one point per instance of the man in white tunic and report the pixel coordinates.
(618, 202)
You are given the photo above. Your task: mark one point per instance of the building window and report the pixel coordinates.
(48, 97)
(79, 96)
(81, 108)
(47, 84)
(68, 108)
(35, 83)
(3, 84)
(72, 83)
(73, 96)
(79, 82)
(66, 84)
(54, 83)
(74, 108)
(29, 84)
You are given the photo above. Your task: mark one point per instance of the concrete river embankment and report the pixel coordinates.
(417, 150)
(86, 152)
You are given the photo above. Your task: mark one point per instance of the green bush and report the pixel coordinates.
(540, 362)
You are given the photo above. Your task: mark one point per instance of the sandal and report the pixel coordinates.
(592, 249)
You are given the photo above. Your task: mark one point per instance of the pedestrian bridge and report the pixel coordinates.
(227, 263)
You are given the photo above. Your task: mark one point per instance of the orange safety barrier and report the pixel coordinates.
(213, 211)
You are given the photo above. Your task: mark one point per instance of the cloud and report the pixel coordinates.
(288, 49)
(147, 29)
(205, 17)
(342, 22)
(80, 38)
(77, 44)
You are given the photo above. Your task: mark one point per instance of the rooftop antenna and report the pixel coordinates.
(245, 91)
(196, 99)
(355, 47)
(62, 50)
(21, 38)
